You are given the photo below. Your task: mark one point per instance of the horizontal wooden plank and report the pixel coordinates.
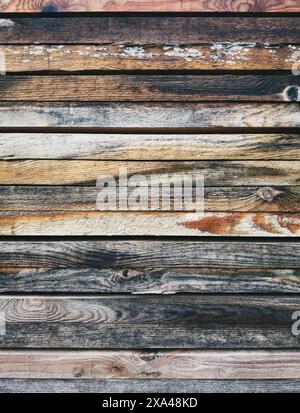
(179, 321)
(148, 386)
(142, 30)
(216, 199)
(152, 6)
(149, 146)
(149, 281)
(211, 364)
(214, 56)
(216, 173)
(108, 88)
(149, 224)
(141, 254)
(147, 115)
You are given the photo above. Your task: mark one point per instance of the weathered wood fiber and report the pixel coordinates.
(80, 198)
(145, 254)
(30, 6)
(267, 88)
(239, 224)
(149, 146)
(149, 115)
(142, 30)
(216, 173)
(148, 386)
(213, 364)
(150, 321)
(149, 281)
(214, 56)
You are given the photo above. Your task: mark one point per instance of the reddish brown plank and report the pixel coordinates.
(31, 6)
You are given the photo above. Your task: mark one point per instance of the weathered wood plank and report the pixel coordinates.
(211, 364)
(239, 224)
(152, 6)
(140, 254)
(108, 88)
(216, 173)
(144, 30)
(214, 56)
(149, 281)
(149, 146)
(80, 198)
(179, 321)
(148, 386)
(155, 115)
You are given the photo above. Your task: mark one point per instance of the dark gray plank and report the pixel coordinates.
(152, 281)
(142, 254)
(148, 386)
(181, 321)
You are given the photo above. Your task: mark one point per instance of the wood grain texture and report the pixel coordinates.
(216, 173)
(117, 57)
(154, 30)
(239, 224)
(149, 281)
(149, 115)
(147, 147)
(216, 199)
(192, 88)
(179, 321)
(148, 386)
(30, 6)
(214, 364)
(144, 254)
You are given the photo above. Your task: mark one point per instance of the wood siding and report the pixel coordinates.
(149, 300)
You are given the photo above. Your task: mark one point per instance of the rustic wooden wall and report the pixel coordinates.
(149, 301)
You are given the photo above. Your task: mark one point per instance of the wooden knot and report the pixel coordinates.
(268, 194)
(78, 372)
(292, 93)
(50, 8)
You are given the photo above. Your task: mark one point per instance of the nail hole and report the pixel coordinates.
(49, 9)
(291, 93)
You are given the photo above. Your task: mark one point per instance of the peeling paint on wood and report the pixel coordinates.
(149, 224)
(215, 56)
